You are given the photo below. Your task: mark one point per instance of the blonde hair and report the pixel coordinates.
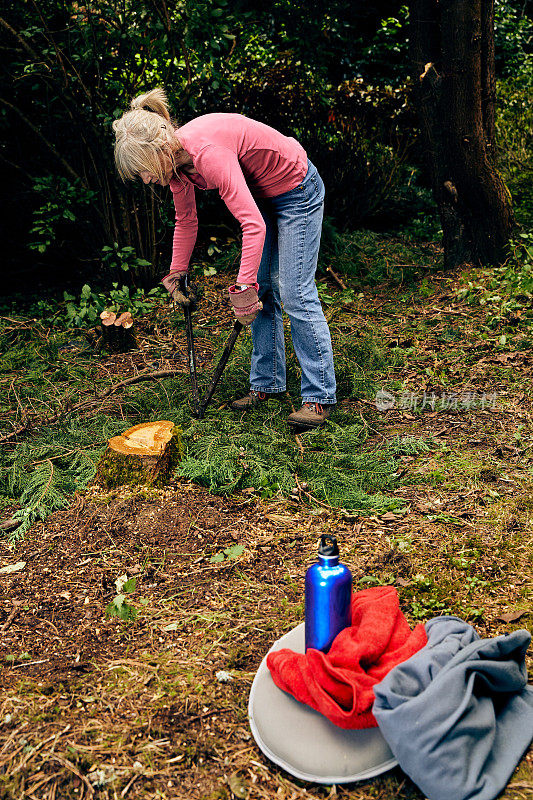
(143, 134)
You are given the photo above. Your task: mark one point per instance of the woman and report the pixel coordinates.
(277, 195)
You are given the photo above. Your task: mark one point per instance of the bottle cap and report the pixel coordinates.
(328, 545)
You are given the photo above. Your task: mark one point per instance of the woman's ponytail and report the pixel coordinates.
(144, 134)
(154, 100)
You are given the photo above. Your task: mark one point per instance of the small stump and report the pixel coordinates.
(116, 333)
(143, 455)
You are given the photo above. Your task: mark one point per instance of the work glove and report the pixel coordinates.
(173, 283)
(245, 301)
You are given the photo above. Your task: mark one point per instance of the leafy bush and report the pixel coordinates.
(86, 310)
(506, 292)
(119, 606)
(63, 202)
(336, 77)
(514, 141)
(521, 187)
(386, 56)
(91, 303)
(514, 126)
(348, 131)
(122, 258)
(513, 33)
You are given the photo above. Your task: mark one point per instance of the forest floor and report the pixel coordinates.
(93, 706)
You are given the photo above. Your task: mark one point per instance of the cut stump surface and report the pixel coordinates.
(145, 454)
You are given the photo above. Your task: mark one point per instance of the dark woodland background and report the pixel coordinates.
(342, 77)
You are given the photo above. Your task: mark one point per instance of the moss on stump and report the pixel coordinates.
(143, 455)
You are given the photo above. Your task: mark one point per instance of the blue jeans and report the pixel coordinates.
(287, 277)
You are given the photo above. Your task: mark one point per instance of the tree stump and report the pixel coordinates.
(116, 334)
(143, 455)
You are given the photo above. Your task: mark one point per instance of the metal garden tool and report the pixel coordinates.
(200, 402)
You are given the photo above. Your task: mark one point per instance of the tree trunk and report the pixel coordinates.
(456, 105)
(488, 77)
(424, 38)
(145, 454)
(483, 198)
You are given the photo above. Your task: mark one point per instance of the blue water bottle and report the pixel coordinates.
(328, 593)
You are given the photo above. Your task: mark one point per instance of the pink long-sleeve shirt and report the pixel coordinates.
(243, 159)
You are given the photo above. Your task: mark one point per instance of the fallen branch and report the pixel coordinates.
(299, 443)
(336, 278)
(32, 424)
(310, 496)
(128, 786)
(346, 307)
(71, 768)
(9, 524)
(10, 619)
(142, 376)
(31, 663)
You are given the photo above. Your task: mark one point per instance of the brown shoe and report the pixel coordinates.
(250, 400)
(311, 415)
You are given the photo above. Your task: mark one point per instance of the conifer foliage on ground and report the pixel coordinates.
(41, 469)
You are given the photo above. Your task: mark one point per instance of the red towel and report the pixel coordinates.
(339, 684)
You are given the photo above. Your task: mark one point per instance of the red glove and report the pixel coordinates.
(245, 301)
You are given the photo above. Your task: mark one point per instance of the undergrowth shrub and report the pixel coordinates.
(225, 455)
(367, 255)
(357, 357)
(63, 204)
(506, 292)
(85, 310)
(362, 177)
(514, 124)
(521, 187)
(25, 346)
(514, 137)
(355, 132)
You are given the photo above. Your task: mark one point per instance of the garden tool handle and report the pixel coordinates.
(184, 284)
(200, 403)
(191, 356)
(237, 328)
